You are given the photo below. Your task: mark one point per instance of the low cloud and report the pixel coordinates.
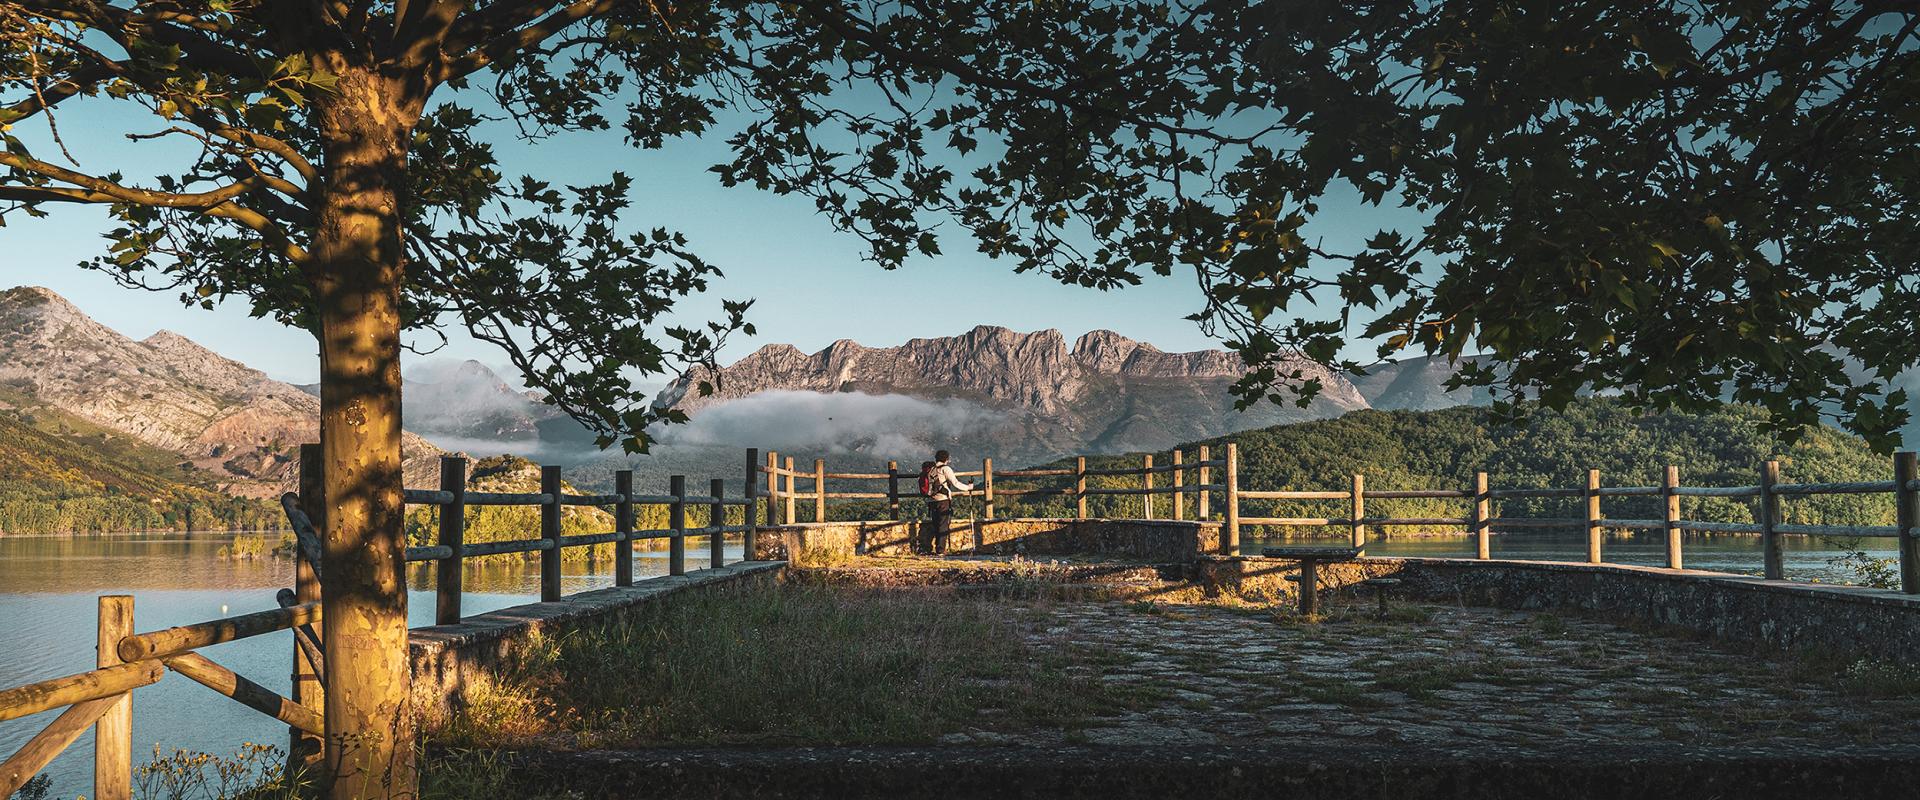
(882, 426)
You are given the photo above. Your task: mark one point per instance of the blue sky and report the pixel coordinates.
(810, 285)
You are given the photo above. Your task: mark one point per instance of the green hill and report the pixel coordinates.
(1442, 449)
(61, 474)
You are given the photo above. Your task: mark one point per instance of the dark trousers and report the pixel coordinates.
(939, 518)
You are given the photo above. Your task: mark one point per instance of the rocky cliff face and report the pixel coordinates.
(1041, 398)
(166, 390)
(1032, 371)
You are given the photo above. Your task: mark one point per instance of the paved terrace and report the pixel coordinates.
(1242, 696)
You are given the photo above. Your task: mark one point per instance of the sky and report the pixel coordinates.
(809, 284)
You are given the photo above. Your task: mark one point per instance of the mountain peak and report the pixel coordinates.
(29, 296)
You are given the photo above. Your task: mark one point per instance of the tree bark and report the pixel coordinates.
(356, 274)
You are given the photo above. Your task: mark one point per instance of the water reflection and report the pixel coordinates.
(48, 590)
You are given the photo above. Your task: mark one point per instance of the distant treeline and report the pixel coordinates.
(61, 475)
(31, 512)
(1442, 449)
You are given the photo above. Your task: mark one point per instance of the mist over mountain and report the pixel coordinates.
(1017, 396)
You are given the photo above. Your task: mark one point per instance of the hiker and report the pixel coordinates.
(937, 483)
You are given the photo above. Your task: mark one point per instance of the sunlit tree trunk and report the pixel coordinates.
(356, 276)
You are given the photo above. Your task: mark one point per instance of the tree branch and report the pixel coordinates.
(506, 44)
(147, 197)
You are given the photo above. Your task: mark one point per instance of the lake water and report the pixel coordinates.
(48, 587)
(48, 591)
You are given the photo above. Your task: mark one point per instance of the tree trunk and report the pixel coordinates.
(356, 275)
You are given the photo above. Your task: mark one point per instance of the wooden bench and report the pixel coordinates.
(1309, 577)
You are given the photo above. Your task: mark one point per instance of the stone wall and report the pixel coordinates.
(1784, 616)
(1151, 540)
(446, 659)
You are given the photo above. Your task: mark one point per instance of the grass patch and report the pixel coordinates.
(1419, 678)
(791, 664)
(1879, 679)
(1342, 693)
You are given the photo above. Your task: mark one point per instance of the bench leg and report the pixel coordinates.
(1380, 593)
(1309, 587)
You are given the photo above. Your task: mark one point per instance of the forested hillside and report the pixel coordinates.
(60, 474)
(1442, 449)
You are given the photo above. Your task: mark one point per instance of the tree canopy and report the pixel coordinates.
(1677, 202)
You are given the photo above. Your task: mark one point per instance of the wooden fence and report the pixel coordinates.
(452, 499)
(785, 485)
(102, 698)
(784, 489)
(1480, 519)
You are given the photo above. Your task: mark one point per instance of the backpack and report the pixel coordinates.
(926, 481)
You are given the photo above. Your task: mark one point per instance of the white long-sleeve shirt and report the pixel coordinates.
(944, 479)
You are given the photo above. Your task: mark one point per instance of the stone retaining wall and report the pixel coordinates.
(446, 659)
(1779, 615)
(1342, 770)
(1151, 540)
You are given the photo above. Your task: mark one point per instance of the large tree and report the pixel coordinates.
(1673, 201)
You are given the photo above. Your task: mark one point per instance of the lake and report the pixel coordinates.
(48, 587)
(48, 591)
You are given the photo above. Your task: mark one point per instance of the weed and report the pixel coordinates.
(36, 788)
(1420, 677)
(256, 772)
(1880, 679)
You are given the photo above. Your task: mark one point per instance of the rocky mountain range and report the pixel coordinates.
(221, 416)
(1021, 397)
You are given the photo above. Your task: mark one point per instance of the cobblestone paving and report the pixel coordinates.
(1443, 677)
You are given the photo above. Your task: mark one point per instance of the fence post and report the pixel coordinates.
(1359, 497)
(1080, 486)
(792, 488)
(1670, 514)
(448, 574)
(1179, 483)
(1481, 518)
(819, 490)
(717, 518)
(305, 750)
(751, 512)
(1906, 507)
(1206, 479)
(1146, 482)
(113, 733)
(773, 486)
(1774, 565)
(623, 524)
(986, 487)
(1591, 496)
(893, 490)
(1230, 540)
(677, 520)
(550, 531)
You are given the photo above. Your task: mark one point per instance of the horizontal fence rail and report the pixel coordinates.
(1481, 520)
(787, 486)
(452, 500)
(101, 699)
